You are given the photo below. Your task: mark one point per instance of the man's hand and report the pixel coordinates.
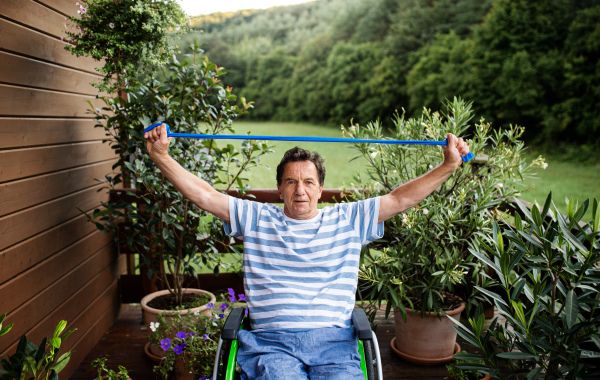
(411, 193)
(454, 151)
(157, 142)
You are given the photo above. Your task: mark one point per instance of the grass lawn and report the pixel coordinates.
(564, 179)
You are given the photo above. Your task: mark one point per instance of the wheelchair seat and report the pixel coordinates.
(225, 359)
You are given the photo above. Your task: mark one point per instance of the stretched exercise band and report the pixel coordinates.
(466, 158)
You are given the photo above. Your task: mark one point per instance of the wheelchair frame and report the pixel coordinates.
(228, 345)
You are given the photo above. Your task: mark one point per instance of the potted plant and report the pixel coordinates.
(36, 362)
(423, 267)
(456, 373)
(189, 342)
(548, 275)
(173, 236)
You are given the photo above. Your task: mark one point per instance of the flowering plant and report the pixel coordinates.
(130, 36)
(424, 254)
(192, 338)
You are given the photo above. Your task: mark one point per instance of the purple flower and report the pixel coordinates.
(221, 316)
(165, 344)
(231, 292)
(181, 335)
(232, 299)
(210, 305)
(242, 297)
(224, 306)
(112, 26)
(190, 334)
(179, 348)
(205, 337)
(246, 312)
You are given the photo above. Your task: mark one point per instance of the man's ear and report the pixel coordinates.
(279, 191)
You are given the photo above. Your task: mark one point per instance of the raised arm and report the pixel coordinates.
(192, 187)
(413, 192)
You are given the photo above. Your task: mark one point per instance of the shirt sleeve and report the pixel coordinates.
(365, 214)
(234, 227)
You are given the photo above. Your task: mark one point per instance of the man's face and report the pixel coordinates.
(300, 190)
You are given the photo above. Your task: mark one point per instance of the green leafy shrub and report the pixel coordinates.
(424, 253)
(127, 36)
(548, 276)
(40, 362)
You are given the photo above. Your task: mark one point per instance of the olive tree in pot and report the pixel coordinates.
(422, 268)
(549, 296)
(172, 235)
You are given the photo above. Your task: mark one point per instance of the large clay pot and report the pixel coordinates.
(426, 339)
(150, 314)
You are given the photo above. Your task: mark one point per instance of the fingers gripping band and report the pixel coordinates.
(466, 158)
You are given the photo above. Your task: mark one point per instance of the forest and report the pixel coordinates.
(530, 63)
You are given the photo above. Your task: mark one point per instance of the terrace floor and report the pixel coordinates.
(124, 345)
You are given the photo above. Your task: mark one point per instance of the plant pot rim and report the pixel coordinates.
(151, 296)
(458, 310)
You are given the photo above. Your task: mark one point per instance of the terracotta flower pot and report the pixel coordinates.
(427, 339)
(150, 314)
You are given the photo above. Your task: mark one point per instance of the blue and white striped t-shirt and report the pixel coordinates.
(302, 274)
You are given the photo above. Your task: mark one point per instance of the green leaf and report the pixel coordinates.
(62, 362)
(516, 355)
(534, 373)
(29, 365)
(595, 215)
(537, 217)
(491, 294)
(55, 342)
(486, 260)
(547, 205)
(39, 355)
(571, 308)
(518, 222)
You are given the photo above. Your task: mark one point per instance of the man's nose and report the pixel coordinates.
(299, 189)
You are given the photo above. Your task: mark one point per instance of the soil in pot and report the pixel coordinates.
(190, 301)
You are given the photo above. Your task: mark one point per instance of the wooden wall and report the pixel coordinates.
(53, 263)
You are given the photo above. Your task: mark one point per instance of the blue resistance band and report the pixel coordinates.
(466, 158)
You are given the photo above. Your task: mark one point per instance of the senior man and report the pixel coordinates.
(301, 262)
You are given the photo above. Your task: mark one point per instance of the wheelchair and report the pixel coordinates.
(225, 359)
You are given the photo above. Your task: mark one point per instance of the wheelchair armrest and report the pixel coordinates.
(232, 324)
(361, 324)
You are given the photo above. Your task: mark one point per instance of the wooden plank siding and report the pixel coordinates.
(54, 264)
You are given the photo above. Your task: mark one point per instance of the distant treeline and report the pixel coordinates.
(531, 63)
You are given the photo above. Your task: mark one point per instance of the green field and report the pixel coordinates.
(336, 155)
(564, 179)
